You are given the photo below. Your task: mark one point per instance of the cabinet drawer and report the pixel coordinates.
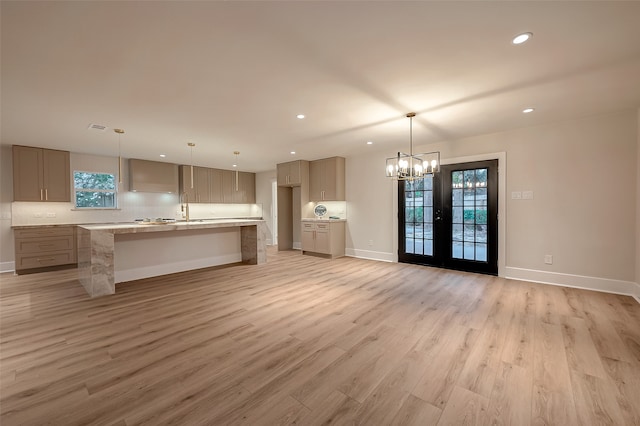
(43, 232)
(322, 227)
(308, 226)
(43, 245)
(43, 260)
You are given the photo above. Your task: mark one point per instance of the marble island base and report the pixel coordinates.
(113, 253)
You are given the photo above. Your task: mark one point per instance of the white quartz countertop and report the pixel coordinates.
(132, 228)
(315, 219)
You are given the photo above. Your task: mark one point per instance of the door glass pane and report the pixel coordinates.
(469, 232)
(428, 247)
(481, 233)
(428, 198)
(481, 252)
(457, 215)
(428, 231)
(456, 197)
(409, 215)
(481, 196)
(457, 180)
(469, 251)
(428, 183)
(419, 243)
(469, 197)
(469, 216)
(456, 250)
(481, 178)
(408, 245)
(481, 215)
(469, 178)
(456, 232)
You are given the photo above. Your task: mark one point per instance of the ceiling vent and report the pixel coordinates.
(99, 127)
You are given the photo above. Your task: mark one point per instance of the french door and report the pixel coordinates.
(450, 219)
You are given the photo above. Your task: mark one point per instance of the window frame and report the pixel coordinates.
(107, 191)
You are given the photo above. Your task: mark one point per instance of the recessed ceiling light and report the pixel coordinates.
(528, 110)
(163, 155)
(293, 152)
(300, 116)
(369, 143)
(235, 165)
(521, 38)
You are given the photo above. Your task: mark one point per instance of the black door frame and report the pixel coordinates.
(442, 219)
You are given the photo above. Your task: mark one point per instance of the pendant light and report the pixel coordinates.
(236, 153)
(191, 145)
(120, 132)
(412, 166)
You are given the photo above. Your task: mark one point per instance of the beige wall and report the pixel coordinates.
(583, 176)
(264, 197)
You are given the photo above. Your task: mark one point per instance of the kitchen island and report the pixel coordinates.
(119, 252)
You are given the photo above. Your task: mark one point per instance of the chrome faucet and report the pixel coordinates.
(184, 205)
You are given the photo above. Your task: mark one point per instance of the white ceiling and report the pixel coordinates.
(233, 75)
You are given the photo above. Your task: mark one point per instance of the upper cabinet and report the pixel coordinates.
(218, 186)
(41, 174)
(238, 187)
(327, 179)
(292, 173)
(152, 176)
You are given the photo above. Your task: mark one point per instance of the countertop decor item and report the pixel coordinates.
(320, 210)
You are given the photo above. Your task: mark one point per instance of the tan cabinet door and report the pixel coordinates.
(27, 174)
(327, 179)
(57, 175)
(215, 185)
(41, 174)
(201, 177)
(323, 238)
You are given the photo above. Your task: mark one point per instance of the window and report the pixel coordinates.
(95, 190)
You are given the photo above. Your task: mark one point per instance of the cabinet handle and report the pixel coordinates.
(41, 196)
(46, 245)
(46, 195)
(46, 259)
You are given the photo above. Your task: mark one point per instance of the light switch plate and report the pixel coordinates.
(516, 195)
(527, 195)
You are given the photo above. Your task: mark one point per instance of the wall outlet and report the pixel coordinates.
(6, 215)
(37, 214)
(370, 243)
(50, 214)
(527, 195)
(516, 195)
(548, 259)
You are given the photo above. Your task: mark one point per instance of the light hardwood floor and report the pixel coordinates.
(309, 341)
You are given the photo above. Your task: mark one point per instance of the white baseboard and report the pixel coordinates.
(369, 254)
(627, 288)
(7, 266)
(297, 245)
(171, 268)
(269, 241)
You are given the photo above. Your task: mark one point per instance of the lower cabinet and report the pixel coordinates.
(323, 237)
(44, 247)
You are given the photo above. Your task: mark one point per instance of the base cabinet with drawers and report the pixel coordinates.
(323, 237)
(39, 248)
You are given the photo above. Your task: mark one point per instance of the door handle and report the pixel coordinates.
(46, 195)
(41, 196)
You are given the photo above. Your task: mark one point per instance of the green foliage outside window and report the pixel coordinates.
(95, 190)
